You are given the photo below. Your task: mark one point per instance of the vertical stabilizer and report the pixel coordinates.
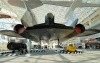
(19, 3)
(72, 19)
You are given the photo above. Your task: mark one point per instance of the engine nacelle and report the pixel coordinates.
(79, 28)
(19, 28)
(16, 46)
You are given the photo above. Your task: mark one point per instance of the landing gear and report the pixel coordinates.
(58, 43)
(40, 49)
(59, 48)
(39, 44)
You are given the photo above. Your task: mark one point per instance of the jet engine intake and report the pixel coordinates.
(79, 28)
(19, 28)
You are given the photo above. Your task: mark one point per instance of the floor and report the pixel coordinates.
(51, 56)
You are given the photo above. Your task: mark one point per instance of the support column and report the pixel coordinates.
(39, 42)
(58, 42)
(28, 43)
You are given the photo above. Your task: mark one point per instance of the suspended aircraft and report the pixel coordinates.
(48, 30)
(4, 16)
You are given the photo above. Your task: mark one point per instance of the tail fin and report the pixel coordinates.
(70, 16)
(72, 19)
(28, 19)
(32, 3)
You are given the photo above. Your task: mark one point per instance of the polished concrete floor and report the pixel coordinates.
(50, 56)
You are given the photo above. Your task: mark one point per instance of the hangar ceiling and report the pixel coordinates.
(40, 12)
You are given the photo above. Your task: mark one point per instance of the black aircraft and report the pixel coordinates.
(48, 30)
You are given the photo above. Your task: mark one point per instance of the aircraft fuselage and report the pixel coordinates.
(47, 32)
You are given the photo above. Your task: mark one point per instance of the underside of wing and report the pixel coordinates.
(32, 3)
(10, 33)
(79, 3)
(89, 5)
(89, 32)
(59, 3)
